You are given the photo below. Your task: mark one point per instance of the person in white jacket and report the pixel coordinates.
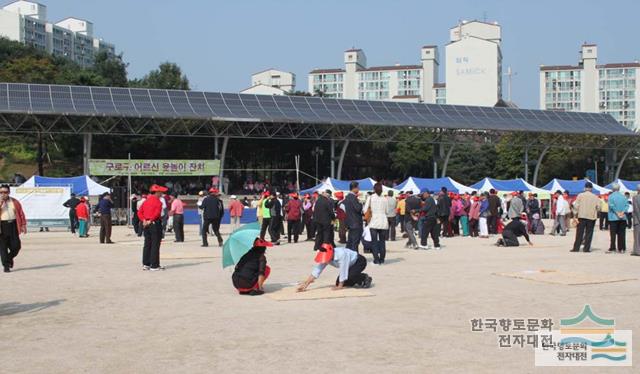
(562, 209)
(378, 225)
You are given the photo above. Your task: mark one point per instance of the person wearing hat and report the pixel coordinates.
(474, 216)
(512, 231)
(429, 212)
(265, 208)
(294, 211)
(104, 209)
(307, 216)
(341, 216)
(252, 270)
(275, 211)
(212, 213)
(323, 216)
(350, 266)
(73, 219)
(587, 206)
(82, 213)
(150, 214)
(236, 208)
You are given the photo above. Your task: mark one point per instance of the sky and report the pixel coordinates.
(219, 44)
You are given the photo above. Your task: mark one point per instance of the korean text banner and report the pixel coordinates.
(154, 167)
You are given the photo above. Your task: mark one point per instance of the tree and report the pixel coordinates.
(112, 68)
(168, 76)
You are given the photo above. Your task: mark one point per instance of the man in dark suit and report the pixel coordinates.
(494, 207)
(72, 203)
(323, 216)
(353, 210)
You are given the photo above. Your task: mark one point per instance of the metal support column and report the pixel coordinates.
(343, 152)
(86, 152)
(333, 159)
(446, 160)
(620, 163)
(223, 155)
(536, 171)
(526, 164)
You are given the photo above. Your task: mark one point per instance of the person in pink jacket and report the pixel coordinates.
(474, 216)
(235, 211)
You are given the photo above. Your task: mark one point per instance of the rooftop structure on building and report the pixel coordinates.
(271, 82)
(72, 38)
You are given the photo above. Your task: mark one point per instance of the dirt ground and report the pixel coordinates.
(73, 305)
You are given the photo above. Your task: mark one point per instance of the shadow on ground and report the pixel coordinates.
(8, 309)
(41, 267)
(175, 266)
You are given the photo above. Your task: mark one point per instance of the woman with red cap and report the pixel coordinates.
(349, 263)
(82, 213)
(150, 214)
(252, 271)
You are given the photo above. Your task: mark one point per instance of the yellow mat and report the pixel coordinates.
(182, 255)
(290, 293)
(565, 277)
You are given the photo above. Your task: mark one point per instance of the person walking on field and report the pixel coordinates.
(392, 205)
(562, 209)
(73, 218)
(150, 214)
(353, 210)
(104, 208)
(177, 212)
(294, 217)
(617, 220)
(212, 213)
(636, 222)
(587, 205)
(13, 223)
(378, 224)
(236, 209)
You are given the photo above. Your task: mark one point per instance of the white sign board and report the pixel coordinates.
(43, 205)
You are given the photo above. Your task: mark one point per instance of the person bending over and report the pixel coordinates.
(512, 231)
(349, 263)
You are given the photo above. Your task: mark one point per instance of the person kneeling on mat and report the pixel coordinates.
(252, 271)
(512, 231)
(349, 263)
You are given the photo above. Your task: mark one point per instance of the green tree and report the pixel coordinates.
(112, 68)
(168, 76)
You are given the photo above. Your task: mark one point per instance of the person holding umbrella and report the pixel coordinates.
(252, 271)
(350, 264)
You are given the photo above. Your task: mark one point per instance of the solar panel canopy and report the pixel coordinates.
(152, 103)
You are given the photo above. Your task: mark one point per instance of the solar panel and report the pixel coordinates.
(152, 103)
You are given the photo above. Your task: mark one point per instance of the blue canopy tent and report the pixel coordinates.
(573, 187)
(432, 184)
(366, 184)
(626, 186)
(508, 185)
(81, 186)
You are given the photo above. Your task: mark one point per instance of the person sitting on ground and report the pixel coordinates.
(511, 232)
(252, 271)
(350, 264)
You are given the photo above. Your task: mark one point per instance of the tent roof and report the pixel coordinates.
(81, 185)
(573, 187)
(433, 184)
(507, 185)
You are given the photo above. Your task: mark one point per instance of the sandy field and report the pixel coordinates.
(74, 306)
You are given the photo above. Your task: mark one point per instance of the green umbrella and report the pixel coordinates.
(239, 243)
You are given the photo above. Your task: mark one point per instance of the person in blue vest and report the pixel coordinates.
(618, 205)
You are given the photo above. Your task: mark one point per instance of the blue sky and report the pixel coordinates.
(220, 43)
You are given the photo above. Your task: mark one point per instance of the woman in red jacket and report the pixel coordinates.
(82, 212)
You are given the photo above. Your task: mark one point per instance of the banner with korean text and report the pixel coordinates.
(154, 167)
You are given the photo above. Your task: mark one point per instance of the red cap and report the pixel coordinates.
(339, 195)
(214, 190)
(262, 243)
(156, 188)
(293, 195)
(266, 194)
(83, 198)
(476, 198)
(514, 193)
(326, 256)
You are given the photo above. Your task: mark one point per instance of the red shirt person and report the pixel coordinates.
(149, 214)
